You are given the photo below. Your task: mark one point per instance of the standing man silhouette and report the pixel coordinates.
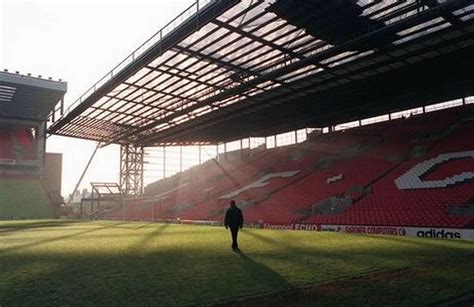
(234, 220)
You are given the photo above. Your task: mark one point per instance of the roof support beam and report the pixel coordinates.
(214, 60)
(161, 92)
(264, 42)
(141, 104)
(258, 39)
(182, 76)
(448, 16)
(204, 15)
(311, 60)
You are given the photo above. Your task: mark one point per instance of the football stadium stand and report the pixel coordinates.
(415, 171)
(225, 71)
(26, 186)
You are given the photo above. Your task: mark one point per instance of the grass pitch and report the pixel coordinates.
(48, 262)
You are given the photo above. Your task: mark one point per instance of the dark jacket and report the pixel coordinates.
(234, 218)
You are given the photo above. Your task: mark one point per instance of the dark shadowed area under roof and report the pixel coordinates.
(28, 99)
(229, 69)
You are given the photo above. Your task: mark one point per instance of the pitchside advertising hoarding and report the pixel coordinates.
(441, 233)
(420, 232)
(7, 162)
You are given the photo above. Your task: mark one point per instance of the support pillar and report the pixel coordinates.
(241, 148)
(164, 162)
(180, 159)
(131, 170)
(40, 135)
(200, 155)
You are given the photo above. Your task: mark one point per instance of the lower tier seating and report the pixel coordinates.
(406, 172)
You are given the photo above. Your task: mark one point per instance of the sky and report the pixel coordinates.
(78, 41)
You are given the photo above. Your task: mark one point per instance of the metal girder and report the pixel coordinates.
(131, 170)
(258, 39)
(284, 97)
(448, 16)
(167, 42)
(310, 60)
(186, 77)
(215, 60)
(250, 59)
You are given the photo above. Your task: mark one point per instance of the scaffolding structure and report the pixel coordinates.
(131, 170)
(105, 192)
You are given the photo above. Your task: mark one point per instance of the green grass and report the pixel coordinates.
(24, 198)
(54, 262)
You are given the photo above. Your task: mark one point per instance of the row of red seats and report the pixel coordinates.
(24, 148)
(362, 163)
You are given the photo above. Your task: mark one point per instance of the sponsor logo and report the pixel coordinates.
(438, 233)
(252, 226)
(393, 231)
(331, 228)
(373, 230)
(7, 161)
(307, 227)
(280, 227)
(300, 227)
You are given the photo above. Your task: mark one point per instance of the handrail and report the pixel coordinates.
(154, 39)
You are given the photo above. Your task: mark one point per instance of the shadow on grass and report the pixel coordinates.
(132, 225)
(378, 255)
(165, 277)
(262, 273)
(40, 242)
(177, 275)
(435, 243)
(12, 226)
(172, 277)
(158, 231)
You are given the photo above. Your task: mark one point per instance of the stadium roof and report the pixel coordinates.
(229, 69)
(26, 98)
